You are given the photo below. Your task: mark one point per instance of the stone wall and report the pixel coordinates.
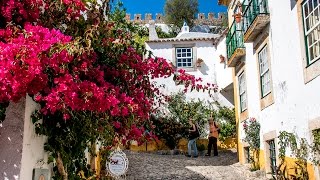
(210, 19)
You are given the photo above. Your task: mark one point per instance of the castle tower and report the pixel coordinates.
(221, 15)
(128, 17)
(147, 17)
(137, 18)
(211, 16)
(159, 18)
(201, 16)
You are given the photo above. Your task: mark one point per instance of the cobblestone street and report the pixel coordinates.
(156, 166)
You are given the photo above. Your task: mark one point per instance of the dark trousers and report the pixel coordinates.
(213, 141)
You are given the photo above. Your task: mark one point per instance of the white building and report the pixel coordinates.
(183, 52)
(274, 55)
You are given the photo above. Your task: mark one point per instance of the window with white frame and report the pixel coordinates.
(242, 92)
(311, 21)
(184, 57)
(264, 72)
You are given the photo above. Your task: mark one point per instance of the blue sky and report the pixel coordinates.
(157, 6)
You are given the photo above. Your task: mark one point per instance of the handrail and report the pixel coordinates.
(234, 38)
(251, 9)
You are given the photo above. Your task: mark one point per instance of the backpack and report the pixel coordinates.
(216, 127)
(197, 133)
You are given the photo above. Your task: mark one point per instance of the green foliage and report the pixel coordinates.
(3, 107)
(286, 139)
(161, 34)
(142, 34)
(181, 110)
(178, 11)
(227, 121)
(252, 132)
(315, 147)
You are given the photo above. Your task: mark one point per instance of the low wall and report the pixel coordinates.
(230, 143)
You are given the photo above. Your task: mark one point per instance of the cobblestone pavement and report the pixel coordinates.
(157, 166)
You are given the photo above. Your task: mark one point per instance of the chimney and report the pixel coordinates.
(152, 30)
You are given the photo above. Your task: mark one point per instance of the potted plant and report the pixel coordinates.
(199, 61)
(237, 17)
(222, 59)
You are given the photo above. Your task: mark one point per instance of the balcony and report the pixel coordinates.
(255, 18)
(235, 45)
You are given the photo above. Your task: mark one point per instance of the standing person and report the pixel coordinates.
(214, 129)
(192, 143)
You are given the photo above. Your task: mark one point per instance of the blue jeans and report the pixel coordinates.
(193, 144)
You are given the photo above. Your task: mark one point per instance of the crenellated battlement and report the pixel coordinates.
(210, 19)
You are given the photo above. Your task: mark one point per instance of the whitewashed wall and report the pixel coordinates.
(33, 154)
(211, 70)
(295, 103)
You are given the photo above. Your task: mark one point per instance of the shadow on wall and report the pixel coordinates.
(11, 139)
(203, 69)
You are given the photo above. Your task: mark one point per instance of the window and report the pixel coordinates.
(242, 92)
(184, 57)
(264, 72)
(272, 156)
(311, 21)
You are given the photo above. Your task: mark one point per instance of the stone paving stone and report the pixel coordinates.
(153, 166)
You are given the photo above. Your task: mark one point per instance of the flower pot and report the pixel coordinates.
(237, 18)
(199, 62)
(222, 59)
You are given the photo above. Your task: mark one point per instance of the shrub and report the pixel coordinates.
(169, 130)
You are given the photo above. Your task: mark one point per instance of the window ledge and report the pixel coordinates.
(266, 101)
(188, 69)
(312, 71)
(244, 115)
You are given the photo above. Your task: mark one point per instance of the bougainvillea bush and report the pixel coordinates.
(80, 62)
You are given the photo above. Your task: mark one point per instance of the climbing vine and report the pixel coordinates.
(300, 149)
(315, 147)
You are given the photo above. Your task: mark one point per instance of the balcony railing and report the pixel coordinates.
(251, 9)
(234, 39)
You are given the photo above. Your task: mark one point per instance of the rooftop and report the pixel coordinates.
(190, 36)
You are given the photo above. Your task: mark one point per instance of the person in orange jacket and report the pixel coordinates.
(214, 130)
